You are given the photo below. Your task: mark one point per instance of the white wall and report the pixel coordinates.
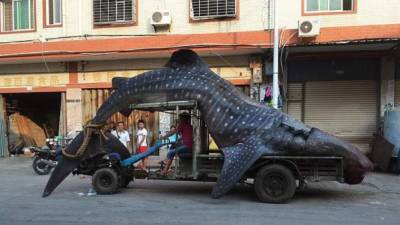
(251, 18)
(77, 16)
(369, 12)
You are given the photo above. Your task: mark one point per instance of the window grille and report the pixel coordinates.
(113, 11)
(208, 9)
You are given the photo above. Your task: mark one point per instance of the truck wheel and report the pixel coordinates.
(274, 184)
(125, 180)
(105, 181)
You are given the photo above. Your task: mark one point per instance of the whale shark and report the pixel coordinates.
(243, 129)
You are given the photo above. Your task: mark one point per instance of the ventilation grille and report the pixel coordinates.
(112, 11)
(207, 9)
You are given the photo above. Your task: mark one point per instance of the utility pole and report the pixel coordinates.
(275, 77)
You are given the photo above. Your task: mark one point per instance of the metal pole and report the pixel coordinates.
(275, 82)
(176, 165)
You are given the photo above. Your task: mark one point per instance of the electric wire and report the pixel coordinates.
(44, 58)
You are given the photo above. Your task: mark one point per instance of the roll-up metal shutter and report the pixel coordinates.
(347, 109)
(295, 100)
(397, 93)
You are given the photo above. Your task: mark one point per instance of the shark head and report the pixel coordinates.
(355, 170)
(356, 164)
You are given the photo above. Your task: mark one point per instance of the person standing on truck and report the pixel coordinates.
(121, 134)
(185, 129)
(141, 142)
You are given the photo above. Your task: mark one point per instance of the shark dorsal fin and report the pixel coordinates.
(185, 58)
(118, 81)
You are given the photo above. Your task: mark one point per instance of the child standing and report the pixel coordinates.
(141, 142)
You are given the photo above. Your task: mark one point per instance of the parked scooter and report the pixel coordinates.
(47, 157)
(44, 161)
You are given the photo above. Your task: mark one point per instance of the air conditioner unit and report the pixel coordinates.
(309, 27)
(161, 18)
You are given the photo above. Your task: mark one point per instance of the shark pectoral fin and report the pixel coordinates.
(237, 159)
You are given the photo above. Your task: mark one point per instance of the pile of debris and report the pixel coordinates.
(23, 132)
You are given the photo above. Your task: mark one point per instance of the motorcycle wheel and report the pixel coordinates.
(40, 167)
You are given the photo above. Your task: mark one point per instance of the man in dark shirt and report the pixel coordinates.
(186, 132)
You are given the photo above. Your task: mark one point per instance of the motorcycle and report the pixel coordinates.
(47, 157)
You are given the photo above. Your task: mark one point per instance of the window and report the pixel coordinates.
(329, 6)
(211, 9)
(53, 12)
(113, 11)
(16, 15)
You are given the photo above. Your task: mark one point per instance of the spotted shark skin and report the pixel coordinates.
(242, 128)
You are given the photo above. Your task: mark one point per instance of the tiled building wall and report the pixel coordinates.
(252, 15)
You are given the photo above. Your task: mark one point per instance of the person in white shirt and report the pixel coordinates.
(121, 134)
(141, 142)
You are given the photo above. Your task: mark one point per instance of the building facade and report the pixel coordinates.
(57, 57)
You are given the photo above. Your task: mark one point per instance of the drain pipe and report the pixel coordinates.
(275, 77)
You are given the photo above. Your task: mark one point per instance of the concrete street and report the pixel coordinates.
(376, 201)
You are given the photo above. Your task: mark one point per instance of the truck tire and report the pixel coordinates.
(105, 181)
(274, 183)
(125, 180)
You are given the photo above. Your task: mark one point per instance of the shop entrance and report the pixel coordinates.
(31, 118)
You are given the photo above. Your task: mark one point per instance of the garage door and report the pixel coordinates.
(347, 109)
(295, 100)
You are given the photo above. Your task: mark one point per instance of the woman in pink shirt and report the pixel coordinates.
(186, 132)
